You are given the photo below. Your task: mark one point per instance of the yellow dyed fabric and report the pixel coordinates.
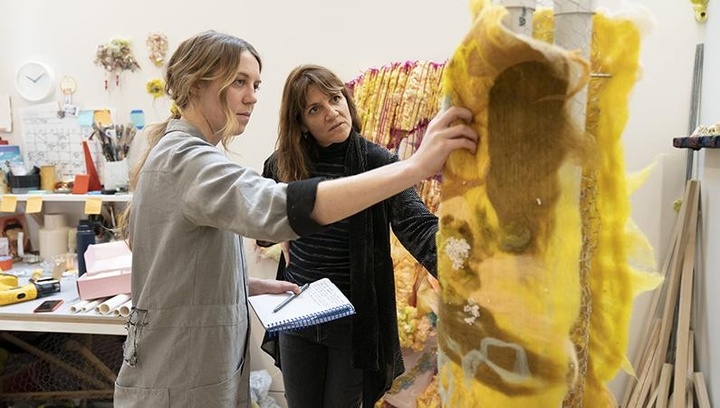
(614, 283)
(544, 25)
(539, 262)
(510, 233)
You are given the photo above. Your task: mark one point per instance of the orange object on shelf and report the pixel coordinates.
(94, 182)
(80, 186)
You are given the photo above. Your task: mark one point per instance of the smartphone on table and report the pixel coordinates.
(48, 306)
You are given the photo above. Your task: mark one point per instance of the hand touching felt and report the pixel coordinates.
(260, 286)
(447, 131)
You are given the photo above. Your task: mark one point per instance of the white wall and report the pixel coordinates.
(708, 280)
(349, 37)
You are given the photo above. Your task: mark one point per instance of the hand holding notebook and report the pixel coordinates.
(321, 301)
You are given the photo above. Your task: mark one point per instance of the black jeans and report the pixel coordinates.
(316, 367)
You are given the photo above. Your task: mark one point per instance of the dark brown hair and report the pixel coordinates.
(292, 146)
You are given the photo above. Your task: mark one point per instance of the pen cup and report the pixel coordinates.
(115, 175)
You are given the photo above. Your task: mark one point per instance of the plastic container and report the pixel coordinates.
(85, 237)
(23, 184)
(6, 263)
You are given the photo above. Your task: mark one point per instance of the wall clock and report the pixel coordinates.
(34, 81)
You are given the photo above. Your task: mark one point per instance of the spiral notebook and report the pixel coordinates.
(321, 302)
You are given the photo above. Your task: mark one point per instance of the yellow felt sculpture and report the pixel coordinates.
(618, 244)
(510, 234)
(536, 243)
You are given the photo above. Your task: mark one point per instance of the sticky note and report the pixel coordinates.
(85, 118)
(102, 116)
(93, 205)
(34, 204)
(8, 204)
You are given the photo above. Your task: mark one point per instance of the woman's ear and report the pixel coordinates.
(195, 89)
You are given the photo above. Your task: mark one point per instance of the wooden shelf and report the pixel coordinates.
(697, 142)
(118, 198)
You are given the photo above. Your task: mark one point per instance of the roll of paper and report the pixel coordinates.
(111, 304)
(52, 242)
(53, 236)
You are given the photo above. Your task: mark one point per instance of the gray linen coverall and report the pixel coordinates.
(188, 332)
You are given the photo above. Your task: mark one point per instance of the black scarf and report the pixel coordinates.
(376, 346)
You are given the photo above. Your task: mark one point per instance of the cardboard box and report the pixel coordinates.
(108, 271)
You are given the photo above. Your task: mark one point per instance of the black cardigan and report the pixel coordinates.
(376, 346)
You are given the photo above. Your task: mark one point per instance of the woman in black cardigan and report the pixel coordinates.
(352, 360)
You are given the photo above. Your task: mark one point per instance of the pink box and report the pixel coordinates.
(108, 271)
(103, 284)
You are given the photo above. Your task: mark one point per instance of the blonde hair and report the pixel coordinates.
(205, 57)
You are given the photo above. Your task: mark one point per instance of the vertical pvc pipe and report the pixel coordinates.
(520, 15)
(573, 31)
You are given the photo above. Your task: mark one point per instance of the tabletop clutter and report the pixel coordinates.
(86, 254)
(114, 143)
(102, 283)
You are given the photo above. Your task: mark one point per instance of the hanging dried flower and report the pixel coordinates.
(157, 44)
(116, 57)
(155, 87)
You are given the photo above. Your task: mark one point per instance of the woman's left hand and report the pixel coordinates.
(285, 246)
(260, 286)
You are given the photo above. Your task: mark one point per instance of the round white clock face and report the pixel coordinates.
(34, 81)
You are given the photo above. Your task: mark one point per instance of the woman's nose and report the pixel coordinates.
(331, 113)
(251, 98)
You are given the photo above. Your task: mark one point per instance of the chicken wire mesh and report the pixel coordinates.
(60, 368)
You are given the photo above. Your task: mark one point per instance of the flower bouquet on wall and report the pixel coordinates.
(115, 57)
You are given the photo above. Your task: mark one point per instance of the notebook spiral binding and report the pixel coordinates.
(313, 319)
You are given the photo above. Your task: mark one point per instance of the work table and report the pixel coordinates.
(20, 316)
